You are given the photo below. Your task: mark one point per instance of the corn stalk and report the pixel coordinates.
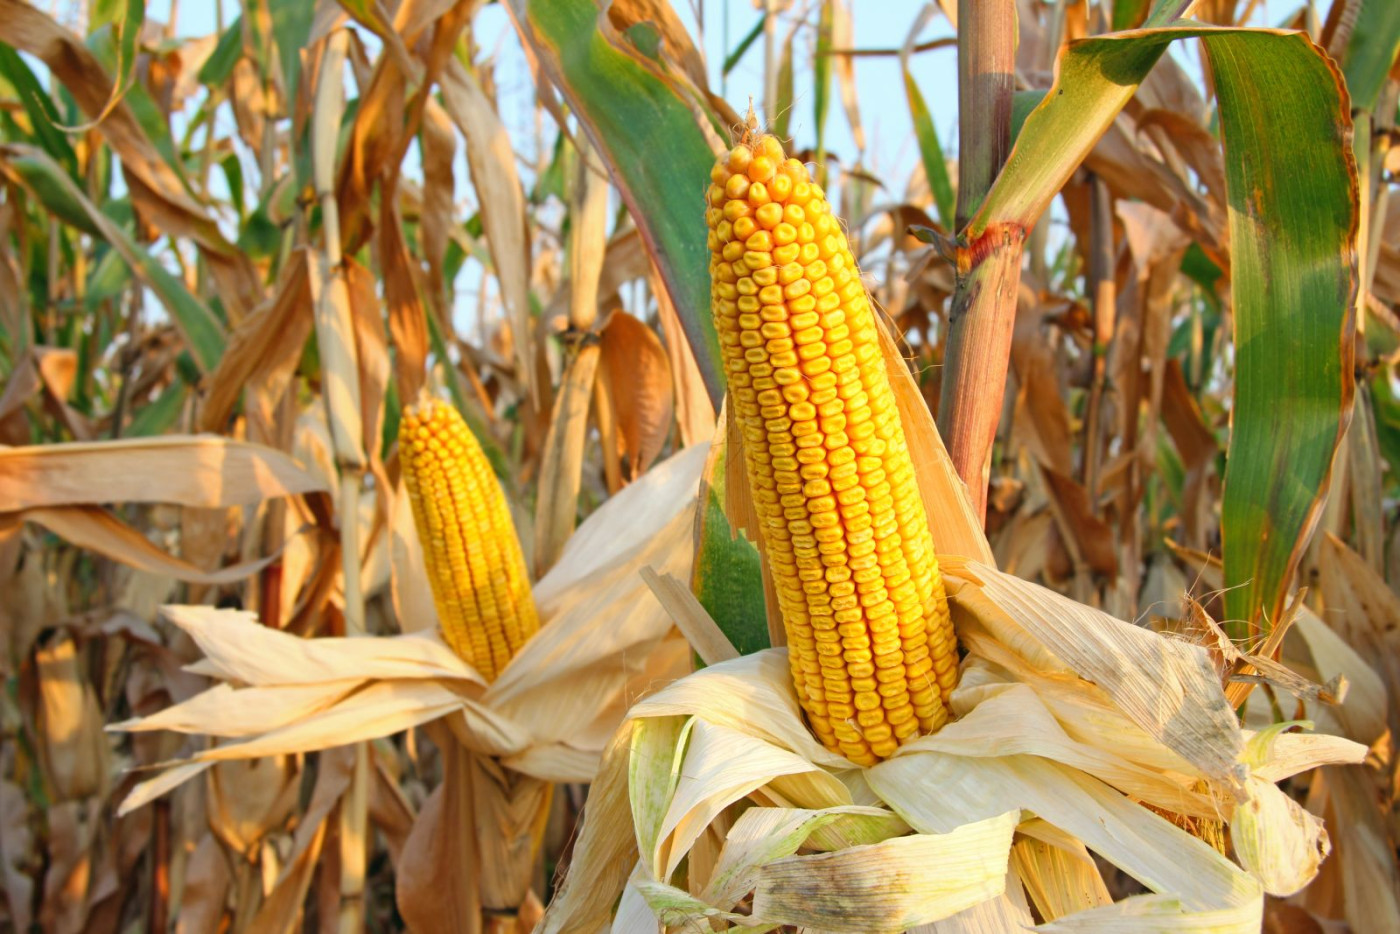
(335, 336)
(983, 311)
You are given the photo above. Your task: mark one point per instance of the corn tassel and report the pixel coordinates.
(480, 583)
(871, 645)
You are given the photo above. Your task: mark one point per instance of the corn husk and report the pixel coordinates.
(1065, 763)
(604, 641)
(1074, 733)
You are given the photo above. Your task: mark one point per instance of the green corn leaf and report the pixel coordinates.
(218, 67)
(38, 107)
(931, 150)
(46, 180)
(1370, 52)
(726, 578)
(732, 59)
(659, 158)
(160, 415)
(1291, 186)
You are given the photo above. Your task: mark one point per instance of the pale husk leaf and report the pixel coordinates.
(889, 886)
(1142, 844)
(634, 915)
(607, 846)
(761, 835)
(1006, 912)
(658, 748)
(752, 694)
(243, 711)
(1277, 840)
(1060, 878)
(723, 765)
(238, 648)
(1167, 687)
(1006, 718)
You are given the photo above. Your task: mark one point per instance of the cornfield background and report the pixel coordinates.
(228, 261)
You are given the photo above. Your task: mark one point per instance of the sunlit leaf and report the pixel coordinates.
(637, 123)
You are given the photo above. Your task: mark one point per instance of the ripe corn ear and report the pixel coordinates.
(872, 648)
(480, 583)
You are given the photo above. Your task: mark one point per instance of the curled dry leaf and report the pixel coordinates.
(261, 354)
(637, 372)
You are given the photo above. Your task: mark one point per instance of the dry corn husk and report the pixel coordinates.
(1068, 724)
(1034, 746)
(604, 641)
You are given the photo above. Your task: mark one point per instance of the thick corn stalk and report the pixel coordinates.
(844, 530)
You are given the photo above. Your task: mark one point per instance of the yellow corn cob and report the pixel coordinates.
(478, 574)
(872, 648)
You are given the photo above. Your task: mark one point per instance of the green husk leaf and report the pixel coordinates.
(727, 578)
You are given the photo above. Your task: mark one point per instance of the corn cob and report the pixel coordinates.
(871, 645)
(480, 583)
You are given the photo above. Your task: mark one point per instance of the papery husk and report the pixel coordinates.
(1067, 761)
(603, 642)
(67, 722)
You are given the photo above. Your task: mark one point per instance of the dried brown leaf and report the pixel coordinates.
(695, 414)
(190, 470)
(497, 182)
(371, 350)
(638, 374)
(560, 470)
(434, 881)
(439, 142)
(95, 529)
(261, 355)
(1088, 536)
(205, 892)
(1196, 444)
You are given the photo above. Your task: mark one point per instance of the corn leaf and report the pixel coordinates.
(1371, 50)
(38, 172)
(184, 469)
(930, 149)
(38, 107)
(1291, 184)
(628, 111)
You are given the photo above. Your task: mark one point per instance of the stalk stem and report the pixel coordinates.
(986, 84)
(980, 323)
(335, 336)
(983, 312)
